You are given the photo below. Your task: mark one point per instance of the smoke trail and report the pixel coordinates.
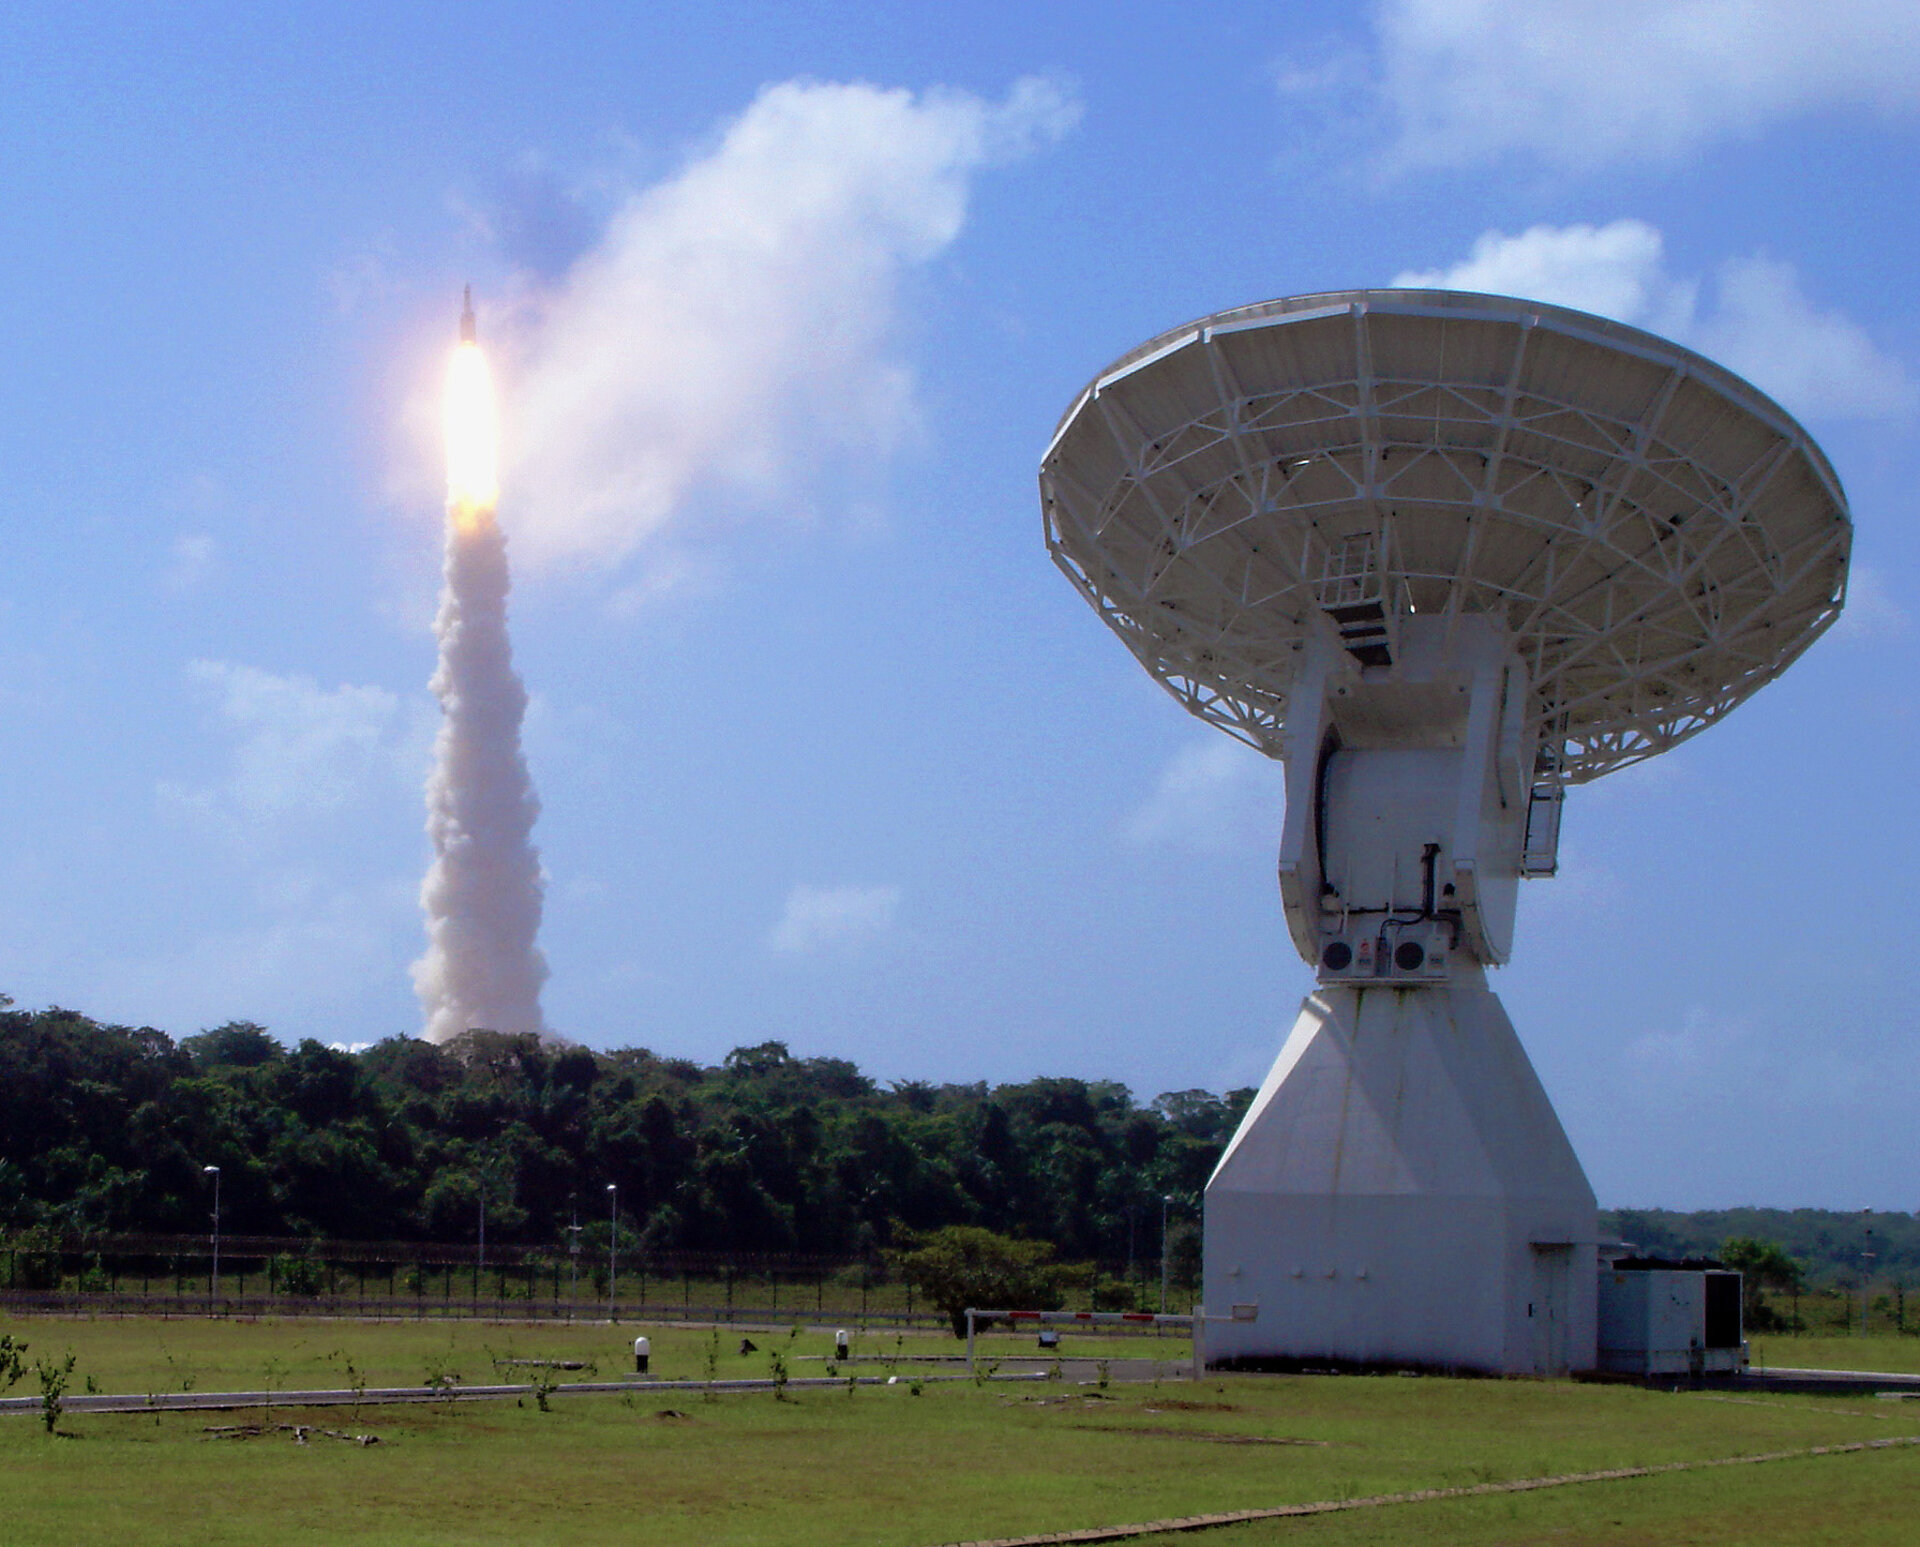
(482, 895)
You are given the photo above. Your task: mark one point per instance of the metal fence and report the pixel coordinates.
(153, 1275)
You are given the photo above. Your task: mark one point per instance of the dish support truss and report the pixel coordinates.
(1654, 538)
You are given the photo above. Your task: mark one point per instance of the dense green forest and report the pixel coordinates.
(108, 1129)
(1833, 1247)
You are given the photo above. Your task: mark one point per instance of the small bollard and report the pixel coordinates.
(642, 1355)
(841, 1344)
(1049, 1338)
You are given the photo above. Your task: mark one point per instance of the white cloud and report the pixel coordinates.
(190, 561)
(1753, 1061)
(1705, 1045)
(1820, 362)
(671, 577)
(734, 327)
(300, 750)
(1587, 83)
(1873, 613)
(1216, 796)
(1759, 324)
(1616, 270)
(834, 918)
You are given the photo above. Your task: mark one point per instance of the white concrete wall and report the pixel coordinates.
(1383, 1199)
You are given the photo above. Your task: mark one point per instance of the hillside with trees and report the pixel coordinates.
(107, 1129)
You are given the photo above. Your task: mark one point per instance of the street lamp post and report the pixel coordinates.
(214, 1172)
(480, 1269)
(613, 1248)
(573, 1261)
(1866, 1279)
(1165, 1199)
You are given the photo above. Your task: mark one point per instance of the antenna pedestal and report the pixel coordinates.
(1401, 1193)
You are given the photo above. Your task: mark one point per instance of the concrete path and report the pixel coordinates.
(1827, 1382)
(1076, 1371)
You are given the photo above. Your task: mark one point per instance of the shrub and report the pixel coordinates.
(296, 1275)
(962, 1266)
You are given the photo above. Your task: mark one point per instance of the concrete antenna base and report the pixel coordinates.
(1401, 1193)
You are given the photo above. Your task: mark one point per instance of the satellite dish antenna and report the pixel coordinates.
(1444, 555)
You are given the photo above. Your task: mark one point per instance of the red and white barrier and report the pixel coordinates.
(1197, 1321)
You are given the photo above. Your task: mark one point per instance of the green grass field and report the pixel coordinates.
(882, 1465)
(139, 1356)
(1836, 1352)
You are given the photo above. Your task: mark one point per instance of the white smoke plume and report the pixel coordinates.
(732, 327)
(736, 324)
(483, 894)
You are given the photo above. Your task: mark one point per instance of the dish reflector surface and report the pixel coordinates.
(1658, 538)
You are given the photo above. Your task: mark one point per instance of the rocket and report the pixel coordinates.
(468, 334)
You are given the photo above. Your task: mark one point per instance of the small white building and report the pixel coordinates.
(1658, 1317)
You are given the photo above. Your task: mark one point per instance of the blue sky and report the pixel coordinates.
(785, 301)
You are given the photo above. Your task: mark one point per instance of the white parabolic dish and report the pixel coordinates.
(1659, 538)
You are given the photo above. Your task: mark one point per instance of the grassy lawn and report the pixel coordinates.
(883, 1466)
(1838, 1351)
(140, 1356)
(1847, 1501)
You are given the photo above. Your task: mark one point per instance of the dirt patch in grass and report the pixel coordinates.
(1175, 1405)
(1209, 1436)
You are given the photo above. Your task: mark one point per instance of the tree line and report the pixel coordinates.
(1831, 1248)
(109, 1129)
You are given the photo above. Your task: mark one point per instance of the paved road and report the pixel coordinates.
(1836, 1382)
(215, 1401)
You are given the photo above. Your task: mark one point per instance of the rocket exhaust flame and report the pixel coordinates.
(473, 480)
(483, 893)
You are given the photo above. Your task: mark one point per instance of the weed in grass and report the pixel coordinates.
(441, 1375)
(13, 1361)
(356, 1378)
(181, 1370)
(54, 1375)
(273, 1377)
